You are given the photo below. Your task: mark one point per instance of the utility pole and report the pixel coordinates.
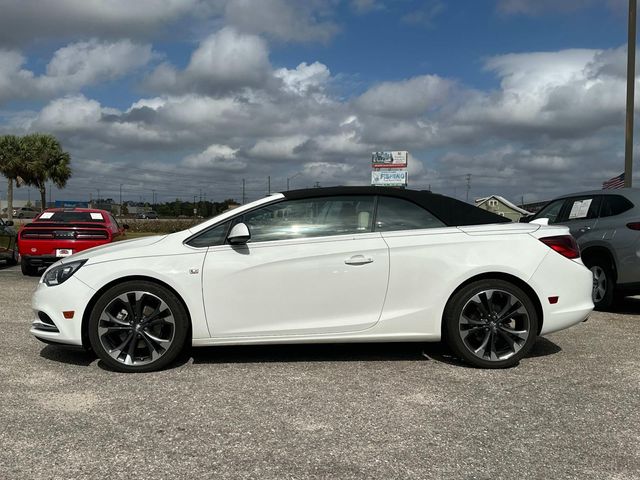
(244, 197)
(121, 199)
(316, 185)
(631, 80)
(50, 192)
(195, 209)
(291, 178)
(468, 185)
(153, 197)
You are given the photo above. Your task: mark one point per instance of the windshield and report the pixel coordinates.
(70, 217)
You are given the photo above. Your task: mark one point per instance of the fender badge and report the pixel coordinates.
(194, 271)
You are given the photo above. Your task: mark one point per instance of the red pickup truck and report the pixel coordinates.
(57, 233)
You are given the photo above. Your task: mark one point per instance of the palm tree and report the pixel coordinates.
(12, 165)
(46, 161)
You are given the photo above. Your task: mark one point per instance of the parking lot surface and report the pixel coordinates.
(569, 410)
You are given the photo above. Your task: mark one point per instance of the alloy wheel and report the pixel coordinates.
(494, 325)
(136, 328)
(599, 283)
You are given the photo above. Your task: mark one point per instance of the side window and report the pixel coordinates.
(114, 222)
(551, 211)
(314, 217)
(212, 237)
(582, 208)
(398, 214)
(614, 205)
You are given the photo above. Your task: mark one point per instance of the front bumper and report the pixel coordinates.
(49, 303)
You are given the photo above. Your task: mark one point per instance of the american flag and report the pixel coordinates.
(615, 182)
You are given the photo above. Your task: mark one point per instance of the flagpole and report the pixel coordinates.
(631, 79)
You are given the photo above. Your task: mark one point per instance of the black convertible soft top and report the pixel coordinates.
(450, 211)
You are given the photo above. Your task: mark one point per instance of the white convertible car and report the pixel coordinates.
(343, 264)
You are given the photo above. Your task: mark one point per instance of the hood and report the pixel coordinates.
(122, 249)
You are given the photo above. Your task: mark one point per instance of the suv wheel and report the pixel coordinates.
(603, 283)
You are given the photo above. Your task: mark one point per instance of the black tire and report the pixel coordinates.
(13, 260)
(604, 283)
(104, 333)
(27, 269)
(508, 340)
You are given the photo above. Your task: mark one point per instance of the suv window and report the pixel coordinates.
(581, 208)
(551, 211)
(398, 214)
(614, 205)
(314, 217)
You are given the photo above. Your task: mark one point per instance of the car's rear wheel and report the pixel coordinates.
(138, 326)
(28, 269)
(491, 323)
(604, 283)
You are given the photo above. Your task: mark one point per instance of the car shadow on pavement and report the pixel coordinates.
(344, 352)
(626, 306)
(441, 352)
(66, 354)
(325, 352)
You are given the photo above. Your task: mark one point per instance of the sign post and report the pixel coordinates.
(390, 169)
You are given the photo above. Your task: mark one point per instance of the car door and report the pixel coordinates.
(580, 214)
(312, 267)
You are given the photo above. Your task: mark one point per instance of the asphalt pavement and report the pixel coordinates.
(394, 411)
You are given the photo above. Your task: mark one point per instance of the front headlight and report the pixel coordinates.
(62, 273)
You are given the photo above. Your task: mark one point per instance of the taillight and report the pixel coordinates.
(634, 225)
(565, 245)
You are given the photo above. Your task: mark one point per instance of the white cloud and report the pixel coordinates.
(224, 61)
(220, 157)
(71, 68)
(406, 98)
(539, 7)
(304, 78)
(287, 20)
(27, 20)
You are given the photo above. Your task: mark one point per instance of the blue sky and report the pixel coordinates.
(190, 95)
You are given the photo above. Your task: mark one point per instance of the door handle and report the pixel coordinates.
(358, 260)
(584, 229)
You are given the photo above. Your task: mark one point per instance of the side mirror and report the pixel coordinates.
(125, 226)
(8, 223)
(239, 234)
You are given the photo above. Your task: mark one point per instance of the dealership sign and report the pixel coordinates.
(389, 159)
(389, 178)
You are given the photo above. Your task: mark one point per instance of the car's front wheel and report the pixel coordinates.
(13, 260)
(138, 326)
(491, 323)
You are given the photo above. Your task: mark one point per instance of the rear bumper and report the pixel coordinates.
(572, 283)
(47, 248)
(39, 261)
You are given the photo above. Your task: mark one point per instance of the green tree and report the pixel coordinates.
(12, 165)
(46, 161)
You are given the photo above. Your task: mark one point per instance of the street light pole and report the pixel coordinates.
(631, 80)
